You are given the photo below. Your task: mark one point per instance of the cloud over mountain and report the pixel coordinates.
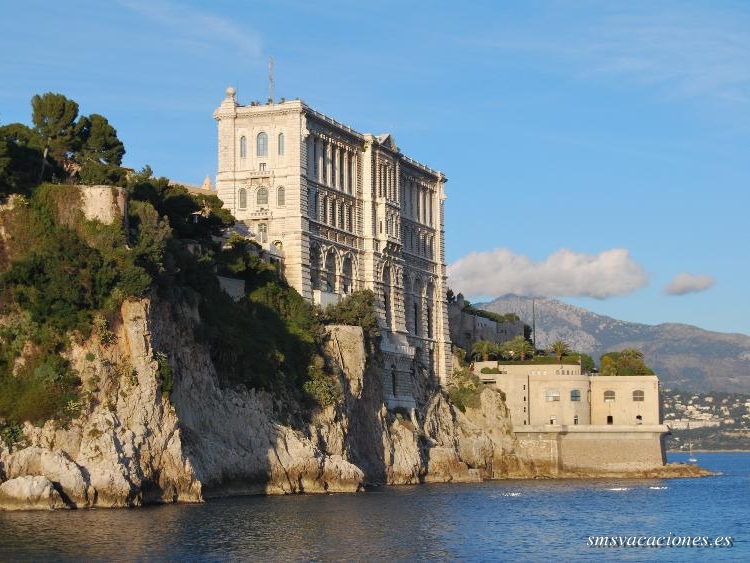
(688, 283)
(564, 273)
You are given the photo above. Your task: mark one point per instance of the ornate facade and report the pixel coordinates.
(344, 211)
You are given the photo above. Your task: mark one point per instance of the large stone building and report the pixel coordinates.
(467, 328)
(344, 211)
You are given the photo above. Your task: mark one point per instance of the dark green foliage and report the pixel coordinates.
(96, 173)
(148, 236)
(20, 159)
(66, 274)
(164, 374)
(465, 390)
(63, 270)
(197, 217)
(45, 387)
(54, 117)
(323, 388)
(357, 309)
(11, 434)
(100, 143)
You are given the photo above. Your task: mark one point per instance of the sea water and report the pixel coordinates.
(529, 520)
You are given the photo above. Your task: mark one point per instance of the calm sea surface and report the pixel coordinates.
(500, 520)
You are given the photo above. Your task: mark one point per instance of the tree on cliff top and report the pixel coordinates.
(85, 148)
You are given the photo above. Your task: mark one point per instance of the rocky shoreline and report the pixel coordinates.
(132, 445)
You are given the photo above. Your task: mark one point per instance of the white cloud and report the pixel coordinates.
(563, 274)
(689, 283)
(193, 26)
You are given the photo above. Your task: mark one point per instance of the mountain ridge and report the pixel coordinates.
(684, 356)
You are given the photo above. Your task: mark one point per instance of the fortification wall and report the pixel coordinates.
(591, 449)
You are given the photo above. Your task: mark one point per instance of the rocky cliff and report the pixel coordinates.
(134, 444)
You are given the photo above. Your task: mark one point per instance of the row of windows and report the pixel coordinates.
(552, 395)
(261, 145)
(333, 212)
(417, 202)
(332, 165)
(610, 419)
(261, 197)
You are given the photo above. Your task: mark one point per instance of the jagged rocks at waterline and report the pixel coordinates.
(30, 493)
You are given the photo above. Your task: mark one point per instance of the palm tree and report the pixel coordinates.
(483, 348)
(560, 349)
(520, 347)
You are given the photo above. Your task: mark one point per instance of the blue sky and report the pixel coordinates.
(597, 152)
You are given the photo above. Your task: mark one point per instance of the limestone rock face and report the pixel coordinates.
(437, 444)
(30, 493)
(487, 442)
(132, 444)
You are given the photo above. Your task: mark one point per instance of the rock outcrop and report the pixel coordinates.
(30, 493)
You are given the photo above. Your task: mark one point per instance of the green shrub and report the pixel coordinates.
(490, 370)
(464, 390)
(324, 389)
(357, 309)
(11, 434)
(164, 374)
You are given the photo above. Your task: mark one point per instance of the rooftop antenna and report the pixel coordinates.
(270, 80)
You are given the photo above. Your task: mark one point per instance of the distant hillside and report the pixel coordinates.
(684, 356)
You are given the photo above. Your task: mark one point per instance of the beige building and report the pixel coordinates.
(558, 394)
(344, 211)
(568, 421)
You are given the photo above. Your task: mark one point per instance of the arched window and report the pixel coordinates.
(243, 198)
(262, 232)
(552, 395)
(394, 380)
(315, 260)
(243, 147)
(638, 395)
(346, 274)
(280, 197)
(281, 144)
(609, 396)
(262, 197)
(262, 144)
(575, 395)
(575, 419)
(324, 210)
(331, 274)
(333, 212)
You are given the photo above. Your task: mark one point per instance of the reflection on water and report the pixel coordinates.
(520, 520)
